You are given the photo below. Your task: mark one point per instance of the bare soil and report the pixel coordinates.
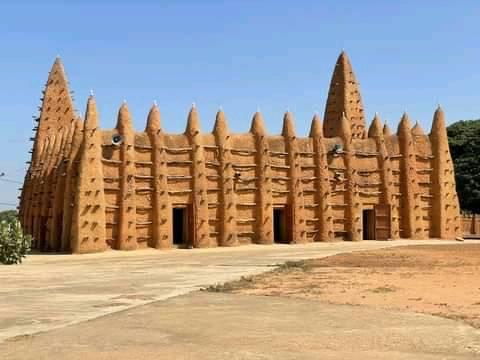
(439, 280)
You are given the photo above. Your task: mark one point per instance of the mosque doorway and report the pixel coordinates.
(382, 221)
(181, 226)
(280, 228)
(368, 224)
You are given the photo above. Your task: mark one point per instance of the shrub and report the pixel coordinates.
(8, 215)
(14, 245)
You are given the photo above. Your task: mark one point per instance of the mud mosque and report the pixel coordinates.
(89, 189)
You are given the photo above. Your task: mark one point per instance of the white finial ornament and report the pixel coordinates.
(194, 105)
(91, 92)
(155, 102)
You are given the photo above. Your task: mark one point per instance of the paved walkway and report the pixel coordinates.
(52, 291)
(216, 326)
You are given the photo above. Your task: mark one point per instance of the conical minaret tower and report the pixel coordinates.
(57, 110)
(56, 115)
(199, 192)
(322, 182)
(411, 218)
(446, 210)
(377, 132)
(228, 234)
(162, 214)
(264, 225)
(88, 223)
(351, 196)
(295, 195)
(344, 98)
(127, 223)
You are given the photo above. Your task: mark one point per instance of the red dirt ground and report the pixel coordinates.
(440, 280)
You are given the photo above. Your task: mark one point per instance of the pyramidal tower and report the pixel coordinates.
(56, 118)
(344, 98)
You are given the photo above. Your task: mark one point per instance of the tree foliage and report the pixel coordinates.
(14, 244)
(464, 141)
(8, 215)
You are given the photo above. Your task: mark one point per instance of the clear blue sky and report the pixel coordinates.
(239, 55)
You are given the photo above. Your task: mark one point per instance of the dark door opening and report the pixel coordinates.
(368, 224)
(43, 233)
(280, 226)
(58, 235)
(179, 217)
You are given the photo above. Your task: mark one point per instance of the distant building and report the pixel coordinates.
(89, 189)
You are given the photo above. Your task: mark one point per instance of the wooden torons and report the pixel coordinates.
(89, 189)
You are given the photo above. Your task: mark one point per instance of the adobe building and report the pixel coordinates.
(90, 189)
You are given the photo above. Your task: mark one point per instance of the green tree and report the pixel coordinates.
(8, 215)
(464, 141)
(14, 244)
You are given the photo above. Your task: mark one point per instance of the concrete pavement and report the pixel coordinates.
(217, 326)
(53, 291)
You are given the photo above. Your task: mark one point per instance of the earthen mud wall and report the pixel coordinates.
(89, 189)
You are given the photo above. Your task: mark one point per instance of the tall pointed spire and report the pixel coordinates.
(161, 211)
(227, 198)
(127, 236)
(153, 120)
(351, 196)
(201, 236)
(386, 130)
(56, 111)
(258, 125)
(417, 130)
(438, 124)
(316, 127)
(297, 231)
(124, 121)
(386, 231)
(344, 97)
(220, 126)
(288, 125)
(376, 127)
(193, 121)
(322, 182)
(91, 115)
(404, 124)
(88, 229)
(263, 196)
(410, 208)
(446, 221)
(344, 130)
